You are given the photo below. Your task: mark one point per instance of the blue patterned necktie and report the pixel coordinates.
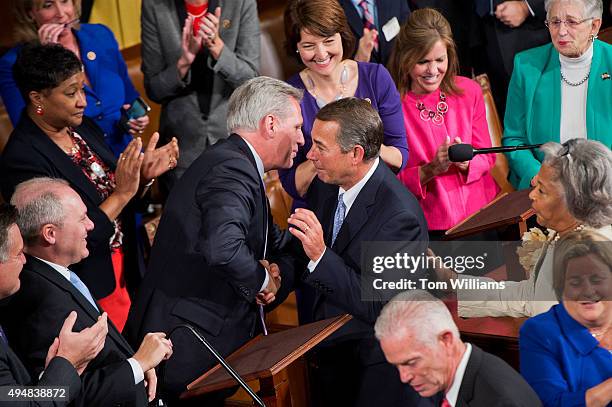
(79, 285)
(338, 217)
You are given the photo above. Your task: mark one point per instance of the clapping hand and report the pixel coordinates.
(158, 160)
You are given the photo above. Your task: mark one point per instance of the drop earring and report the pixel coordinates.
(39, 110)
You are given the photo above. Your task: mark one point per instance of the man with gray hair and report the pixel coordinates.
(355, 198)
(54, 224)
(418, 336)
(208, 264)
(69, 352)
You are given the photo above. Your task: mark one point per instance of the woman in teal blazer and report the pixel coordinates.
(551, 85)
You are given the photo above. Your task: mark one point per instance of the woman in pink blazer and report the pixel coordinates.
(440, 109)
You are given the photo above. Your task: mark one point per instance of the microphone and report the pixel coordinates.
(221, 361)
(465, 152)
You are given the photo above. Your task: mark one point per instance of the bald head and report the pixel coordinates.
(53, 220)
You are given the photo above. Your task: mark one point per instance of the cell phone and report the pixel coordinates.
(138, 109)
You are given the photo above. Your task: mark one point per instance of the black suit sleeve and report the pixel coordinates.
(345, 286)
(59, 372)
(538, 8)
(226, 199)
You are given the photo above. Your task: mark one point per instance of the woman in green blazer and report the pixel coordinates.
(561, 90)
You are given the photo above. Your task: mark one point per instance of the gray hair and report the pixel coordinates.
(583, 169)
(590, 8)
(359, 124)
(39, 203)
(8, 217)
(257, 98)
(417, 313)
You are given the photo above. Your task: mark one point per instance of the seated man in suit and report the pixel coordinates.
(375, 23)
(354, 199)
(69, 353)
(418, 335)
(216, 227)
(54, 224)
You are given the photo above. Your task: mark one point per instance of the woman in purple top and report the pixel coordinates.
(318, 34)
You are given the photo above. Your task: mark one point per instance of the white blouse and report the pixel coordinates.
(574, 98)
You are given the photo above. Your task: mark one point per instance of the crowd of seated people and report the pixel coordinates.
(76, 172)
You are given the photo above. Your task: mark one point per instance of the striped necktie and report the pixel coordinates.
(368, 19)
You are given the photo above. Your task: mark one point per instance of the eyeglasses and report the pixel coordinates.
(570, 23)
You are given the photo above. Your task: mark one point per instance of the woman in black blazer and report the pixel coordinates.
(54, 139)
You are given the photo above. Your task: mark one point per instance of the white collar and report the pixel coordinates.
(258, 162)
(453, 392)
(351, 194)
(64, 271)
(583, 61)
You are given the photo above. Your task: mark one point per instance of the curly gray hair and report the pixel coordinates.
(583, 169)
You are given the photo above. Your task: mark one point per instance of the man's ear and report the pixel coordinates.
(268, 123)
(48, 233)
(358, 154)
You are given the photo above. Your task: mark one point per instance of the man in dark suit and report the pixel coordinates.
(509, 26)
(206, 267)
(375, 43)
(418, 336)
(54, 224)
(69, 353)
(355, 199)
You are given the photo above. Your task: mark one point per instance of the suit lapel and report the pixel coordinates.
(466, 390)
(71, 172)
(89, 58)
(57, 279)
(242, 146)
(593, 97)
(360, 211)
(352, 16)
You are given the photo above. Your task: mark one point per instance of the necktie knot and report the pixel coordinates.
(82, 288)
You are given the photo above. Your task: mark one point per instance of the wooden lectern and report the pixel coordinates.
(507, 210)
(265, 359)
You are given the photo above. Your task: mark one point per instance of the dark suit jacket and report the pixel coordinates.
(204, 267)
(491, 382)
(59, 372)
(509, 41)
(384, 211)
(387, 9)
(30, 153)
(34, 318)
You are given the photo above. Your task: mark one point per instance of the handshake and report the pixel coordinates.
(268, 294)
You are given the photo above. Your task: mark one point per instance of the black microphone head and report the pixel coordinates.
(460, 152)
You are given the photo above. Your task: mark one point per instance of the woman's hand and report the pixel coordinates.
(438, 165)
(600, 395)
(190, 46)
(209, 28)
(50, 33)
(127, 173)
(138, 124)
(158, 160)
(465, 165)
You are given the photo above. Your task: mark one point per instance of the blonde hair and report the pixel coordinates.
(574, 245)
(417, 37)
(26, 29)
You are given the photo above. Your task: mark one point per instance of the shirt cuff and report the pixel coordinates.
(137, 370)
(266, 281)
(313, 264)
(530, 9)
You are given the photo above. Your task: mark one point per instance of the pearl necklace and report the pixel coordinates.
(576, 229)
(583, 80)
(437, 116)
(343, 80)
